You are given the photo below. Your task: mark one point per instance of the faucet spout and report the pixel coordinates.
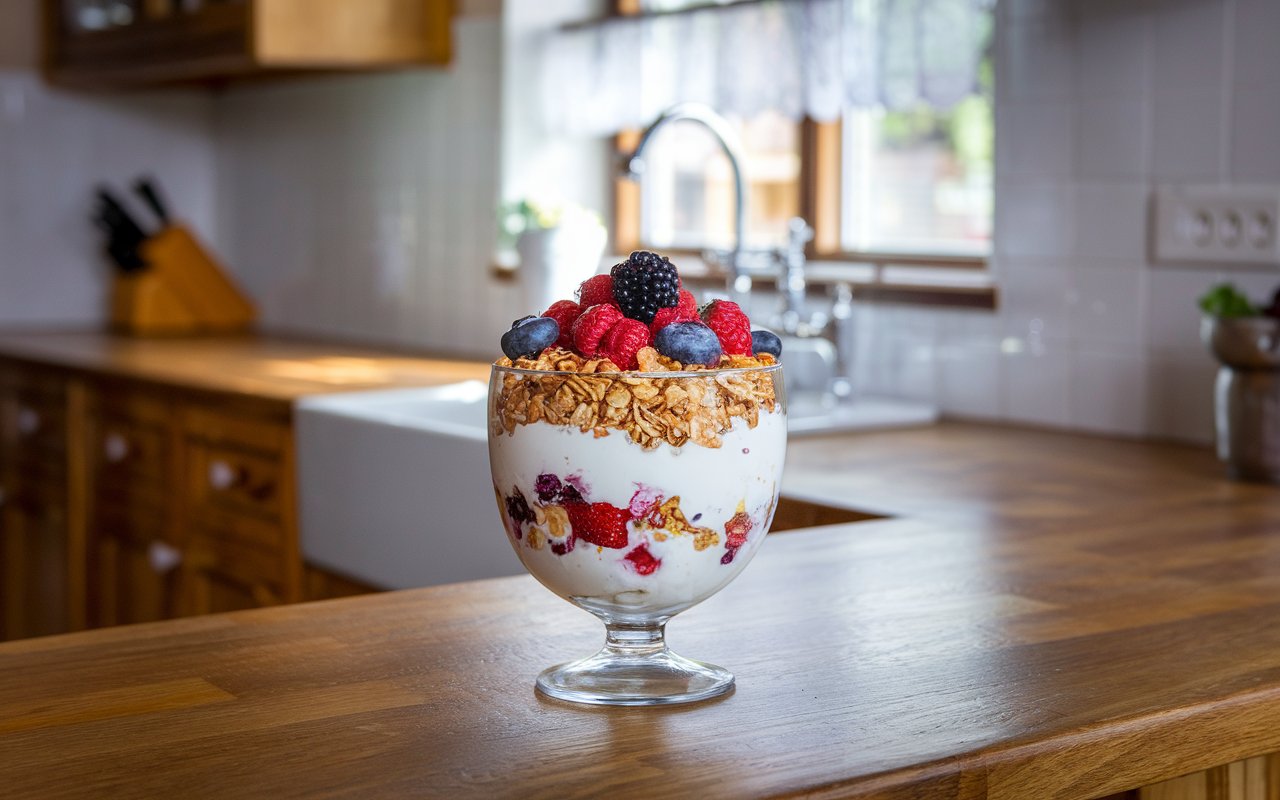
(633, 167)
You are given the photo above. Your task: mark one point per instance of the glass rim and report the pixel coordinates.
(678, 374)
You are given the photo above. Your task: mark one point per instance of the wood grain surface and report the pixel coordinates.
(1043, 616)
(255, 368)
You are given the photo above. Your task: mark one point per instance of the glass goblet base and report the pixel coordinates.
(635, 668)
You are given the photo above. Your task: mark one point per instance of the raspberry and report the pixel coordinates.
(595, 290)
(548, 487)
(731, 326)
(669, 315)
(736, 530)
(623, 341)
(565, 312)
(600, 524)
(643, 560)
(591, 327)
(644, 283)
(688, 304)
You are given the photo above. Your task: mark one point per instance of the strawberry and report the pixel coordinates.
(731, 326)
(599, 523)
(595, 290)
(621, 343)
(643, 560)
(565, 312)
(591, 327)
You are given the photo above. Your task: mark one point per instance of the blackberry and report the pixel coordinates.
(644, 283)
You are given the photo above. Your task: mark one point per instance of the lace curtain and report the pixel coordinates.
(796, 57)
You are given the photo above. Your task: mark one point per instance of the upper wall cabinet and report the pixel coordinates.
(127, 43)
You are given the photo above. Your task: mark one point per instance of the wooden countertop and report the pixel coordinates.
(270, 368)
(1046, 616)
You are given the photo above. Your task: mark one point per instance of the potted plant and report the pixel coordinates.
(556, 247)
(1245, 338)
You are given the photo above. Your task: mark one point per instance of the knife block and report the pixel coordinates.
(182, 290)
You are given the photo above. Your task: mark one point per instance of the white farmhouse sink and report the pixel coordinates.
(395, 490)
(394, 487)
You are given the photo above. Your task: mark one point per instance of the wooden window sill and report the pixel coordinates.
(908, 282)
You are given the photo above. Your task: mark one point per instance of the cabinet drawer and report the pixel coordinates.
(237, 481)
(257, 575)
(36, 422)
(129, 445)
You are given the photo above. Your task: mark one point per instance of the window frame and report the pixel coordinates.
(820, 205)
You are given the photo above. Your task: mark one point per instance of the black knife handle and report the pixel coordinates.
(150, 194)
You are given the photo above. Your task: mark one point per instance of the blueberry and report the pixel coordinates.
(766, 342)
(530, 336)
(689, 343)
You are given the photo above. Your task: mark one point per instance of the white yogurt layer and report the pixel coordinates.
(713, 483)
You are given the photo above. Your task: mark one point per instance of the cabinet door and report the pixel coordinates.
(134, 543)
(134, 580)
(238, 508)
(36, 585)
(41, 569)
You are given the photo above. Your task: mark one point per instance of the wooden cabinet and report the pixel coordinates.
(125, 502)
(148, 42)
(42, 579)
(239, 504)
(134, 535)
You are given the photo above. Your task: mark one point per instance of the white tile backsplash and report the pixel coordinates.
(1108, 391)
(55, 147)
(392, 240)
(1110, 138)
(1187, 136)
(1036, 298)
(1037, 140)
(1109, 307)
(1037, 377)
(1173, 320)
(1188, 45)
(1111, 50)
(1255, 29)
(1111, 221)
(1039, 61)
(1034, 219)
(1255, 132)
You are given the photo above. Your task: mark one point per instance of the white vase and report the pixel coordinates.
(553, 261)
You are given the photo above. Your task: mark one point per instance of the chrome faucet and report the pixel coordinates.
(828, 333)
(739, 282)
(792, 282)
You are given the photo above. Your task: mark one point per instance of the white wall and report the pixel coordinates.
(55, 146)
(1098, 102)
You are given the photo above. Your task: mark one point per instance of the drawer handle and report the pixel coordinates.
(164, 558)
(115, 447)
(28, 421)
(222, 476)
(1, 497)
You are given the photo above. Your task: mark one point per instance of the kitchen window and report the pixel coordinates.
(902, 192)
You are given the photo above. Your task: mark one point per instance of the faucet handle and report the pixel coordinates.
(799, 233)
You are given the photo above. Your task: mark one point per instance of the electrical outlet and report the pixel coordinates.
(1219, 225)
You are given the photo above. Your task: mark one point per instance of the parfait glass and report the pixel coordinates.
(636, 495)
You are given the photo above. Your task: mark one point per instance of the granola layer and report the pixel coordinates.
(649, 409)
